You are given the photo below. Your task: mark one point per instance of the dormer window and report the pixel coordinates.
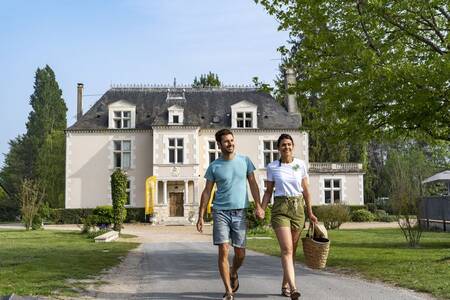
(175, 115)
(243, 115)
(122, 115)
(122, 119)
(244, 120)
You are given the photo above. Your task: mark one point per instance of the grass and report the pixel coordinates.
(382, 254)
(42, 262)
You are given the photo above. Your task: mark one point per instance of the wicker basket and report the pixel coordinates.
(315, 249)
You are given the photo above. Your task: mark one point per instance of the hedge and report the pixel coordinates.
(74, 215)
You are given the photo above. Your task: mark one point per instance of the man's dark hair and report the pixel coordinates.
(284, 136)
(221, 133)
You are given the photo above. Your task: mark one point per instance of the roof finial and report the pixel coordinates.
(174, 82)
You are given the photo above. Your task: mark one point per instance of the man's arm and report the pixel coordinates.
(206, 194)
(255, 194)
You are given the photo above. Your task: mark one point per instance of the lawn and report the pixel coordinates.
(41, 262)
(382, 254)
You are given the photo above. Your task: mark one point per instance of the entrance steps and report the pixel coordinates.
(176, 221)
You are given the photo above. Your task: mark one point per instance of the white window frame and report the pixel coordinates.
(121, 107)
(216, 151)
(175, 149)
(244, 107)
(176, 111)
(121, 152)
(272, 151)
(121, 118)
(332, 189)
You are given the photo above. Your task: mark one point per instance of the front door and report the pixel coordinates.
(176, 204)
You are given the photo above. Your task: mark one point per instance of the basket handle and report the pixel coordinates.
(311, 229)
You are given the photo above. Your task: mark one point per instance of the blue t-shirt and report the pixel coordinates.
(230, 177)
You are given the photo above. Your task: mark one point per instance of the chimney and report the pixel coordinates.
(79, 100)
(289, 82)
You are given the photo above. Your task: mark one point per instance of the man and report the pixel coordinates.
(230, 173)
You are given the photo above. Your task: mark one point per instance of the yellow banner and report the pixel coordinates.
(150, 189)
(211, 198)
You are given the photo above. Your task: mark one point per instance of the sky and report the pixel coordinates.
(104, 42)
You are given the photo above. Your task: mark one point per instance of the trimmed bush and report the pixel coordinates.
(104, 215)
(382, 216)
(362, 215)
(119, 197)
(135, 214)
(332, 216)
(254, 222)
(372, 207)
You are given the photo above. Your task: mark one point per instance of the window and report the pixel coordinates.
(332, 190)
(176, 119)
(122, 154)
(122, 119)
(213, 151)
(176, 151)
(128, 191)
(270, 152)
(244, 120)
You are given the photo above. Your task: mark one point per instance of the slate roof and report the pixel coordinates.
(201, 107)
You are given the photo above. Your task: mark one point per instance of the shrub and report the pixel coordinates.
(94, 234)
(362, 215)
(254, 222)
(333, 216)
(372, 207)
(135, 214)
(31, 196)
(382, 216)
(89, 223)
(119, 197)
(104, 215)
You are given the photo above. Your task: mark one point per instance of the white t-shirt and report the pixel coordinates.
(287, 177)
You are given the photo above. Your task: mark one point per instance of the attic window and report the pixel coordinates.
(122, 119)
(244, 120)
(175, 115)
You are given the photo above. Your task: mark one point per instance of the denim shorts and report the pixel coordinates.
(230, 226)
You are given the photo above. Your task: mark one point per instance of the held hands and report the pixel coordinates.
(260, 213)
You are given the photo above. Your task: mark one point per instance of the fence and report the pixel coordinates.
(434, 212)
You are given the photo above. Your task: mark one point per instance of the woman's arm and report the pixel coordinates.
(268, 194)
(306, 195)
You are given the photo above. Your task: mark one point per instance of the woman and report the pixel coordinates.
(289, 177)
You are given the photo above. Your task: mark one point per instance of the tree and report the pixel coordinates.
(207, 80)
(48, 114)
(31, 197)
(407, 169)
(119, 197)
(375, 68)
(39, 153)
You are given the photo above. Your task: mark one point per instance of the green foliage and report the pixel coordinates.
(207, 80)
(94, 234)
(254, 222)
(39, 154)
(383, 216)
(370, 68)
(135, 214)
(407, 168)
(104, 215)
(88, 223)
(333, 216)
(119, 197)
(362, 215)
(70, 215)
(31, 198)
